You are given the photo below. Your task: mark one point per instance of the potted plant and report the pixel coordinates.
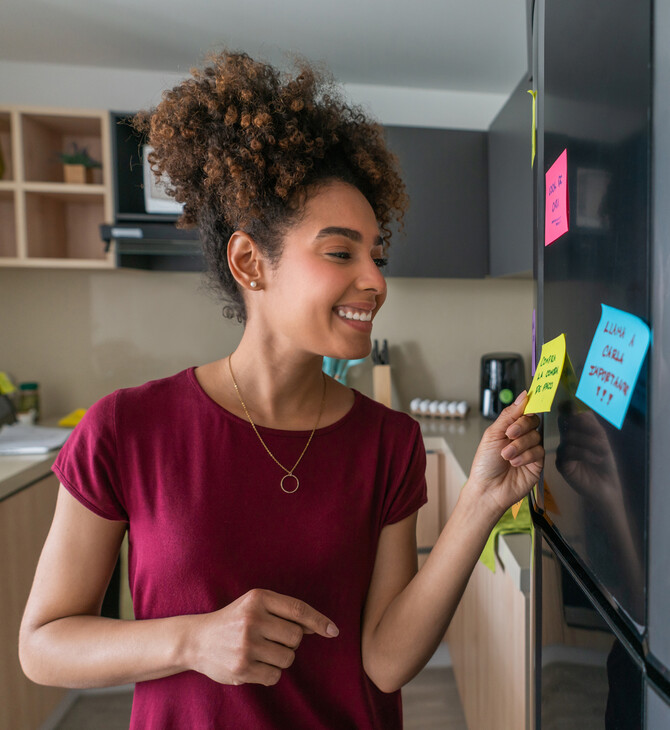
(78, 165)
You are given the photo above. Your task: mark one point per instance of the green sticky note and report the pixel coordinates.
(509, 523)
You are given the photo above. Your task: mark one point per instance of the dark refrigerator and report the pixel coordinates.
(601, 551)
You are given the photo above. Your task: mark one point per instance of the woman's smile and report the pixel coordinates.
(362, 325)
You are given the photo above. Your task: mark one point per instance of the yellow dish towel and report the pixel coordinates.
(72, 419)
(506, 524)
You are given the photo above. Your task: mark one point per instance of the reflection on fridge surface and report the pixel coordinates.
(586, 677)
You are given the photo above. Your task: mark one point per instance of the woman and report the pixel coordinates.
(271, 510)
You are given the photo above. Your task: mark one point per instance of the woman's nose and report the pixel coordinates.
(372, 277)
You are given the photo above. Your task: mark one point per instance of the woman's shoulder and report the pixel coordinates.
(150, 397)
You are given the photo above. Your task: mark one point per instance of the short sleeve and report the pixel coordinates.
(409, 491)
(87, 465)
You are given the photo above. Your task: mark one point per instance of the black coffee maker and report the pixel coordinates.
(502, 379)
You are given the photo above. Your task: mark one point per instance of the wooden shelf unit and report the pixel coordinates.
(45, 221)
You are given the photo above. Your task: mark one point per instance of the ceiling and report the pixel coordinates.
(463, 45)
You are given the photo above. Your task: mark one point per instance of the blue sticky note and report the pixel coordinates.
(613, 364)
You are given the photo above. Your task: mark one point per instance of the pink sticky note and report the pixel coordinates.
(556, 206)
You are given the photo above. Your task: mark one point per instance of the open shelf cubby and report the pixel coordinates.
(46, 136)
(64, 225)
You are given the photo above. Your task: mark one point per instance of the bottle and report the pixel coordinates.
(29, 403)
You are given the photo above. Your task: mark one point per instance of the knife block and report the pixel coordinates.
(381, 384)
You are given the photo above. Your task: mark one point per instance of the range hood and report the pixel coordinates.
(153, 246)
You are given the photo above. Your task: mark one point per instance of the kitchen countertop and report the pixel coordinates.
(19, 472)
(462, 435)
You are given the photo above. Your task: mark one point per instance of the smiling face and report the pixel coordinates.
(327, 287)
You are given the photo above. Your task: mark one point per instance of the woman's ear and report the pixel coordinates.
(245, 261)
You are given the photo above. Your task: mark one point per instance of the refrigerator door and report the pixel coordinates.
(659, 488)
(594, 91)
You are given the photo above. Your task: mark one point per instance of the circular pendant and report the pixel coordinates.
(289, 491)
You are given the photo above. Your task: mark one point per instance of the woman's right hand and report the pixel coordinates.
(254, 638)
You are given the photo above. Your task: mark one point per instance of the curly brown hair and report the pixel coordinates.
(245, 145)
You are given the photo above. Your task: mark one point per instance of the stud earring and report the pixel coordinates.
(253, 284)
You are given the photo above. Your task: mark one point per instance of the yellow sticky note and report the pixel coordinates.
(72, 419)
(516, 507)
(547, 376)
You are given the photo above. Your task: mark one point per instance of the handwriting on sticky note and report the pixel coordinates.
(613, 364)
(547, 376)
(556, 202)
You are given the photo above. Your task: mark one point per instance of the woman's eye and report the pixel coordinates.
(345, 255)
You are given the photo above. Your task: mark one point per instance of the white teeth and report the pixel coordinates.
(359, 316)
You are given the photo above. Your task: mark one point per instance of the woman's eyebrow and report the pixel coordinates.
(349, 233)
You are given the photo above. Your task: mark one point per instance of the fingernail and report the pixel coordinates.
(520, 398)
(332, 630)
(513, 431)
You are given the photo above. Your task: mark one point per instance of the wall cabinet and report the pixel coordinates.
(25, 518)
(45, 221)
(511, 186)
(446, 227)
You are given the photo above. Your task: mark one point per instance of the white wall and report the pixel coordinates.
(127, 90)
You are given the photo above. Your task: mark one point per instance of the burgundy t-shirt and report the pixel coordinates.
(208, 522)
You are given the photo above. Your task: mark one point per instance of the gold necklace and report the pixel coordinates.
(289, 472)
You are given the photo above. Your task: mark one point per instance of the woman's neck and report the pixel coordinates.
(278, 385)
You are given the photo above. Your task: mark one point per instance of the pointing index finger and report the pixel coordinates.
(301, 613)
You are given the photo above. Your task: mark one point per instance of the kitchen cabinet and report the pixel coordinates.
(431, 517)
(25, 518)
(511, 186)
(45, 221)
(489, 634)
(446, 227)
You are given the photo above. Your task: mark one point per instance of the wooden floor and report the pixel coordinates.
(430, 702)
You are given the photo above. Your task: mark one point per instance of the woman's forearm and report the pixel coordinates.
(91, 651)
(415, 621)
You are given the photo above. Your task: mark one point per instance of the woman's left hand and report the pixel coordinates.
(509, 459)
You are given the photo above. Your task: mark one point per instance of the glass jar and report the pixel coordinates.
(29, 403)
